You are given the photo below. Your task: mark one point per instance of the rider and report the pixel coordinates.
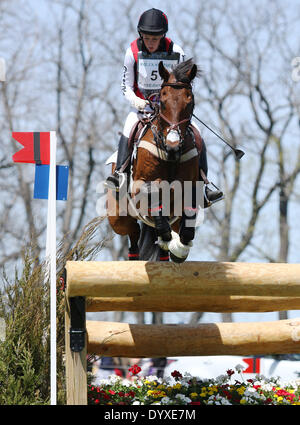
(141, 79)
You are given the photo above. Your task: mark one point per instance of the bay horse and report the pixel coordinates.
(166, 153)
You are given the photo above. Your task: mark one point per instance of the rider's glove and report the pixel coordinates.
(139, 103)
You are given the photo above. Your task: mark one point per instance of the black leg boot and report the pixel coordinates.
(113, 181)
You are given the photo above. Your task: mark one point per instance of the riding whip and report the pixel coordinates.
(238, 153)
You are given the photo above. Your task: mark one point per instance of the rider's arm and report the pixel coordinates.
(128, 76)
(128, 82)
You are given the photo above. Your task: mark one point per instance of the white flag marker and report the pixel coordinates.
(51, 259)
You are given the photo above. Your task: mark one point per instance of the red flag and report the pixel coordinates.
(253, 365)
(36, 147)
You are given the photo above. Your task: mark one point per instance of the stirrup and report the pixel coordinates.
(122, 179)
(207, 202)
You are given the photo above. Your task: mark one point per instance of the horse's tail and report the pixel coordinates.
(148, 249)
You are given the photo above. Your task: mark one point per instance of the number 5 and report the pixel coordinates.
(154, 75)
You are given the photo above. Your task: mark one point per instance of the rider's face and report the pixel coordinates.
(151, 41)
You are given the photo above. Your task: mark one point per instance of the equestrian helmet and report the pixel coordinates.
(153, 21)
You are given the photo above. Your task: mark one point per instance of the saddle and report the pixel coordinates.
(140, 128)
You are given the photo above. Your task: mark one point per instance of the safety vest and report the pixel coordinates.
(147, 78)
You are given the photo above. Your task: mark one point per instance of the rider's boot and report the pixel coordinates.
(114, 180)
(212, 194)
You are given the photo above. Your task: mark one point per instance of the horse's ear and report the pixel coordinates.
(192, 72)
(163, 72)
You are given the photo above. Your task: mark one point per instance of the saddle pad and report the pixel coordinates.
(159, 153)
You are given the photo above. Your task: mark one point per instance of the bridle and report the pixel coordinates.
(175, 126)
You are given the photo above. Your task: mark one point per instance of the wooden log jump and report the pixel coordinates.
(190, 286)
(117, 279)
(201, 303)
(208, 339)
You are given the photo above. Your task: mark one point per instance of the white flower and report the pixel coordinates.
(183, 398)
(250, 390)
(239, 368)
(104, 382)
(221, 379)
(187, 376)
(136, 402)
(154, 378)
(165, 400)
(225, 401)
(184, 384)
(267, 387)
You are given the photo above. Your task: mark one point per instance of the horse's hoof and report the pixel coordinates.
(177, 259)
(178, 251)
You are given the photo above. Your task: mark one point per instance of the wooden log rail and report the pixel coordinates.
(141, 278)
(216, 304)
(205, 339)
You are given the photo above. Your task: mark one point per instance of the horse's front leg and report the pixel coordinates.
(151, 190)
(180, 245)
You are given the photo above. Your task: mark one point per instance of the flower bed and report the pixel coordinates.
(227, 389)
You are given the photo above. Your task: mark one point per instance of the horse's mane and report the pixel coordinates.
(183, 68)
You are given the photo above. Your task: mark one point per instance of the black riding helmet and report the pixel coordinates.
(154, 22)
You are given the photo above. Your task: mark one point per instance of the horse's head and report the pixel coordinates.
(176, 104)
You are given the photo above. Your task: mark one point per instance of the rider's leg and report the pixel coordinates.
(212, 194)
(123, 150)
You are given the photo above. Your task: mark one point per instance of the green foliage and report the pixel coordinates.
(24, 354)
(25, 308)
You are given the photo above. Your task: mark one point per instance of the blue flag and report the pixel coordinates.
(41, 182)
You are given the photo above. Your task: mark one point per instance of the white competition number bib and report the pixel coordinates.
(149, 80)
